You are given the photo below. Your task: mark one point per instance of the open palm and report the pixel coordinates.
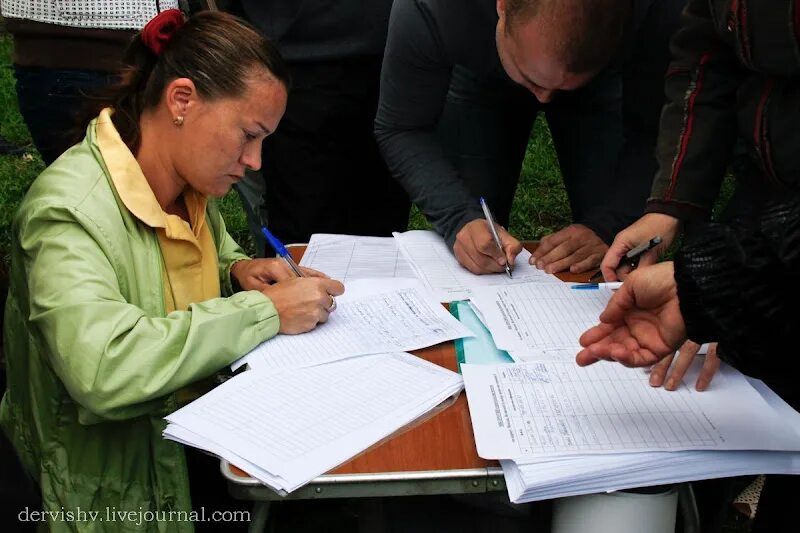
(641, 324)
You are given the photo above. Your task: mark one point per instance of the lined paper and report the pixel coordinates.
(435, 264)
(372, 316)
(349, 257)
(532, 319)
(297, 424)
(554, 407)
(554, 477)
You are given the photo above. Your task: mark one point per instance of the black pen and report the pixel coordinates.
(633, 256)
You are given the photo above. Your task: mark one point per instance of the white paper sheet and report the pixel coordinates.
(349, 257)
(297, 424)
(530, 319)
(552, 407)
(372, 316)
(552, 477)
(435, 264)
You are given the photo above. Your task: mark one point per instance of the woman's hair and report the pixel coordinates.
(216, 50)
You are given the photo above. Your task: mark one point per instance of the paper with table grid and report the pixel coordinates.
(435, 264)
(554, 477)
(288, 427)
(545, 408)
(349, 257)
(372, 316)
(532, 319)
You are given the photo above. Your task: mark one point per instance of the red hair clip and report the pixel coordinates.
(158, 32)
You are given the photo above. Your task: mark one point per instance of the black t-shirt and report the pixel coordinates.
(321, 30)
(428, 38)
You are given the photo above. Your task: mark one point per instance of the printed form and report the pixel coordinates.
(435, 264)
(372, 316)
(555, 477)
(535, 409)
(349, 257)
(288, 427)
(539, 320)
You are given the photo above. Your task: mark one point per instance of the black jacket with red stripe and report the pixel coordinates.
(735, 73)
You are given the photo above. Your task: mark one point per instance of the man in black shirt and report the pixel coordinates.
(462, 83)
(322, 168)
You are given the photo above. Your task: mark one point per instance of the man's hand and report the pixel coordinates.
(686, 354)
(575, 247)
(641, 231)
(642, 323)
(257, 274)
(476, 250)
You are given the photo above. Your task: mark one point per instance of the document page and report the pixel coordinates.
(532, 319)
(435, 264)
(553, 477)
(553, 407)
(349, 257)
(297, 424)
(372, 316)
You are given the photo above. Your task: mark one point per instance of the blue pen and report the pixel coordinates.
(281, 251)
(613, 285)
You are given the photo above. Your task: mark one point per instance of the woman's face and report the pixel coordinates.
(221, 138)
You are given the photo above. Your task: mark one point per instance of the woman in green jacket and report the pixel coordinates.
(122, 280)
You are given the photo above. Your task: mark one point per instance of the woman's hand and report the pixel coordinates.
(302, 303)
(257, 274)
(642, 323)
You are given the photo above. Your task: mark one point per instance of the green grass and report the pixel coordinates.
(540, 205)
(16, 173)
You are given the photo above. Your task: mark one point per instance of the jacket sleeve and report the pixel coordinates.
(112, 357)
(646, 60)
(698, 123)
(414, 81)
(735, 286)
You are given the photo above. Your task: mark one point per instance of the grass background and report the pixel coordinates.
(539, 208)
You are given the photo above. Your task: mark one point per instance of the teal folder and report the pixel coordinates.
(479, 349)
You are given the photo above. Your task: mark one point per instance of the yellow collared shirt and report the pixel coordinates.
(187, 248)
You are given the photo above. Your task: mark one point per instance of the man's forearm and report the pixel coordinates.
(417, 161)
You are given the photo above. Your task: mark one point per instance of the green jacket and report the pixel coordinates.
(93, 360)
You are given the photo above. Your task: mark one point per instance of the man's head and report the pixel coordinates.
(552, 45)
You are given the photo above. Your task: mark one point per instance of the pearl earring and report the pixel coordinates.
(178, 121)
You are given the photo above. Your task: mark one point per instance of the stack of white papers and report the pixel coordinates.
(560, 430)
(286, 428)
(551, 477)
(434, 263)
(372, 316)
(529, 410)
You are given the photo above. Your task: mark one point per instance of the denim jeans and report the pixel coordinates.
(52, 101)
